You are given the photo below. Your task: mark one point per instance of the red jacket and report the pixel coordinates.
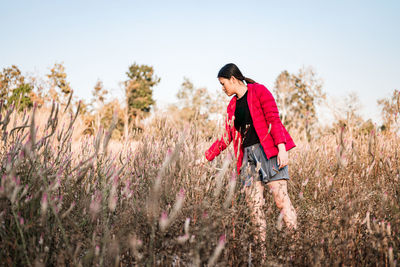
(268, 126)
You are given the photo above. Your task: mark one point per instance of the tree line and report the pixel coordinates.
(297, 95)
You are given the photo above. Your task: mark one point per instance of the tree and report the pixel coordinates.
(198, 102)
(21, 97)
(106, 113)
(138, 93)
(14, 90)
(94, 111)
(138, 90)
(99, 95)
(346, 114)
(345, 110)
(297, 96)
(391, 112)
(199, 106)
(60, 88)
(193, 100)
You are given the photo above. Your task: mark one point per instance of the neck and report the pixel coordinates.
(242, 89)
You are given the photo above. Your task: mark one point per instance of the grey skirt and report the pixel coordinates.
(256, 167)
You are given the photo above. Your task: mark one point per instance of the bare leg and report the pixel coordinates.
(255, 200)
(282, 200)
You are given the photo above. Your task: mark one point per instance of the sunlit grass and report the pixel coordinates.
(66, 198)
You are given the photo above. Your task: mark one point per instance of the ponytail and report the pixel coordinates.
(248, 80)
(230, 70)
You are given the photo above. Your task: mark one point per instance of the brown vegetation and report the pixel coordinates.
(73, 199)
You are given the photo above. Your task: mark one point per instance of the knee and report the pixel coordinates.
(280, 203)
(283, 202)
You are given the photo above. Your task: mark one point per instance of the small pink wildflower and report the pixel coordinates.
(41, 239)
(44, 203)
(164, 215)
(181, 193)
(205, 214)
(222, 239)
(97, 250)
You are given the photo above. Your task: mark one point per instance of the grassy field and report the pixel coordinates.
(75, 200)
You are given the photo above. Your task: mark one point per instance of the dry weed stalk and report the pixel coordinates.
(74, 200)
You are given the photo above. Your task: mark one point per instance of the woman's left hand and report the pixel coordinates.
(283, 156)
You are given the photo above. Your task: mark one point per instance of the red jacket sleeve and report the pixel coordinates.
(271, 114)
(221, 144)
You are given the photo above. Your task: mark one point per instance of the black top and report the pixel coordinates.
(244, 122)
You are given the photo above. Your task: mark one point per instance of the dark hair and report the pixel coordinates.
(230, 70)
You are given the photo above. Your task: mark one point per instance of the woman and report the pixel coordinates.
(260, 143)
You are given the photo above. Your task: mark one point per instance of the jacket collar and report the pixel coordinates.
(232, 103)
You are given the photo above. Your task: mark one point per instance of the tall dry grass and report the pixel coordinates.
(69, 199)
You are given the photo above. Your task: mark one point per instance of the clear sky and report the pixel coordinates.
(352, 45)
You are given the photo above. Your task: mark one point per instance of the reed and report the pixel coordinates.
(71, 199)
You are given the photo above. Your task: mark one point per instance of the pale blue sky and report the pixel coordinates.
(352, 45)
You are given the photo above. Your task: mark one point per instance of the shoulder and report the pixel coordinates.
(259, 89)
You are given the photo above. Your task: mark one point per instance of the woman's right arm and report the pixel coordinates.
(221, 144)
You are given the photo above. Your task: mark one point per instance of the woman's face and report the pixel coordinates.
(227, 86)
